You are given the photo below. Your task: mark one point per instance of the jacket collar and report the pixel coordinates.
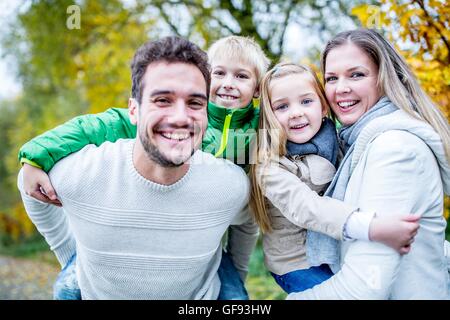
(217, 114)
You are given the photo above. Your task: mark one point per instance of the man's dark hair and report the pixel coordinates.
(168, 49)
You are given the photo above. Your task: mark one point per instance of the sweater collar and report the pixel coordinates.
(217, 114)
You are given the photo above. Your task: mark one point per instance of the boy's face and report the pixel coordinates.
(233, 83)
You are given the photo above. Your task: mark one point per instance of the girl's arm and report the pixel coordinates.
(50, 147)
(335, 218)
(393, 180)
(302, 206)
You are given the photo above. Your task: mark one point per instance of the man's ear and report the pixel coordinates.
(133, 110)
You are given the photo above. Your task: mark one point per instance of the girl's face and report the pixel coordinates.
(297, 107)
(350, 83)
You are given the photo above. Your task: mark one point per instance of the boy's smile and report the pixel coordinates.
(233, 84)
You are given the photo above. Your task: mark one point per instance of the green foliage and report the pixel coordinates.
(260, 284)
(34, 248)
(64, 72)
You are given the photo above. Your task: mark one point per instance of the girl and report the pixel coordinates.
(296, 160)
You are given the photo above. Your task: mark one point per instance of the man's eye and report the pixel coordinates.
(161, 101)
(197, 104)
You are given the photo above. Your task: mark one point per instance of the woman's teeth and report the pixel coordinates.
(347, 104)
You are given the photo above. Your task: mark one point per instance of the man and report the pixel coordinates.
(147, 215)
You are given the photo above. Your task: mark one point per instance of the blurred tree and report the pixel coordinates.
(64, 72)
(266, 21)
(421, 31)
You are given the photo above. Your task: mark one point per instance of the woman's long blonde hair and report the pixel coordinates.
(271, 137)
(395, 79)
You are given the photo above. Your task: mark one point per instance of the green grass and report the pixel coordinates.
(33, 248)
(260, 284)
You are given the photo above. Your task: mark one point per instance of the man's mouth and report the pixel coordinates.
(177, 136)
(347, 104)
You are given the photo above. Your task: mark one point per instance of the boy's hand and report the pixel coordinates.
(395, 231)
(37, 184)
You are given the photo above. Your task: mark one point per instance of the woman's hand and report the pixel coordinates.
(37, 184)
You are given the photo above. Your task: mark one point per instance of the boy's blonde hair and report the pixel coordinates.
(271, 138)
(243, 49)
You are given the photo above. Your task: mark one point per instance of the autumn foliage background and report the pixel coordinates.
(66, 72)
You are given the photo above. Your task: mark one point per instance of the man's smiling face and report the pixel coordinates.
(172, 116)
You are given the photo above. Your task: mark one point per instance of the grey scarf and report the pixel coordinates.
(320, 248)
(324, 143)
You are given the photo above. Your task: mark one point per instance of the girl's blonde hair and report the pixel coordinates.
(271, 138)
(395, 79)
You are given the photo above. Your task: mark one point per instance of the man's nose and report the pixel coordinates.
(179, 114)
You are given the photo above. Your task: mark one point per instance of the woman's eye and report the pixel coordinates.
(357, 75)
(219, 73)
(330, 78)
(242, 76)
(307, 101)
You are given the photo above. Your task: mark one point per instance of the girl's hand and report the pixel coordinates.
(395, 231)
(37, 184)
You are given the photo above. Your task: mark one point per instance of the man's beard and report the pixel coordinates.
(155, 155)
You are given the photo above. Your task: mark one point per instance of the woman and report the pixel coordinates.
(397, 150)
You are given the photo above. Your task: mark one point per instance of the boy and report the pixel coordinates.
(237, 66)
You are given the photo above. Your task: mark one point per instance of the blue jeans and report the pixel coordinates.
(66, 285)
(301, 280)
(232, 288)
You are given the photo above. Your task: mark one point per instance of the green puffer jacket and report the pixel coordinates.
(229, 134)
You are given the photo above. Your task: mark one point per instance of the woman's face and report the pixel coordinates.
(350, 82)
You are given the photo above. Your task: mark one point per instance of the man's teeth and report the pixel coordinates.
(176, 136)
(346, 104)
